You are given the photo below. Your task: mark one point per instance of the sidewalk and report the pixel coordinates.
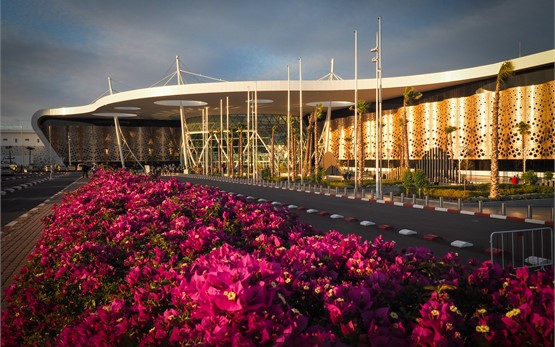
(19, 237)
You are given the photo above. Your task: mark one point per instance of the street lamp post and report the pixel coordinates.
(378, 60)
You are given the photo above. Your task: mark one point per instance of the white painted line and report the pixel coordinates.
(461, 244)
(317, 193)
(498, 216)
(398, 204)
(470, 213)
(336, 216)
(366, 223)
(534, 221)
(418, 206)
(407, 232)
(311, 211)
(441, 209)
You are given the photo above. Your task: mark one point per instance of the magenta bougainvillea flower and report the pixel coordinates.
(136, 260)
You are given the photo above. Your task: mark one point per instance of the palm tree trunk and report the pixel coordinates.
(360, 151)
(315, 146)
(494, 170)
(272, 152)
(241, 153)
(405, 164)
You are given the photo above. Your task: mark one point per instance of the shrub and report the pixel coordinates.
(420, 180)
(548, 175)
(530, 177)
(407, 180)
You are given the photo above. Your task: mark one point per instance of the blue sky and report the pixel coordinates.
(60, 52)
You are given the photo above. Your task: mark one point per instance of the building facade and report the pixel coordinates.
(211, 127)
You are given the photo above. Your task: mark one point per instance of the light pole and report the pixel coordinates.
(378, 60)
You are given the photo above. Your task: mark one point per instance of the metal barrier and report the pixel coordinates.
(527, 247)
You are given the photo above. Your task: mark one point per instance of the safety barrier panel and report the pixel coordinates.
(527, 247)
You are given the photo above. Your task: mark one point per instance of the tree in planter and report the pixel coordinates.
(448, 131)
(362, 108)
(316, 116)
(505, 71)
(523, 129)
(420, 180)
(411, 96)
(407, 180)
(348, 148)
(548, 176)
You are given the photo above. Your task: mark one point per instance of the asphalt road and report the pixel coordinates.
(20, 201)
(449, 226)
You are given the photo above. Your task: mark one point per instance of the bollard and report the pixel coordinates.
(362, 193)
(414, 199)
(480, 206)
(441, 201)
(329, 188)
(321, 189)
(372, 194)
(391, 196)
(345, 191)
(402, 198)
(336, 190)
(529, 212)
(426, 200)
(503, 209)
(459, 204)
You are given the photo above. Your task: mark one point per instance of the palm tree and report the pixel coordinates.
(448, 131)
(523, 129)
(362, 108)
(505, 71)
(317, 115)
(272, 150)
(348, 148)
(410, 98)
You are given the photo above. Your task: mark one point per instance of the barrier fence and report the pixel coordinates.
(527, 247)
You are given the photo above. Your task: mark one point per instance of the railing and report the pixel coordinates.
(518, 248)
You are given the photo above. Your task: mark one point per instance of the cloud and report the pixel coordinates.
(60, 53)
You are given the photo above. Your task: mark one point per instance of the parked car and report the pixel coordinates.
(7, 170)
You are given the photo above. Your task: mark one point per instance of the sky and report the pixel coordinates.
(57, 53)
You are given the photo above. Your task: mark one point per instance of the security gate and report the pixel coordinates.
(518, 248)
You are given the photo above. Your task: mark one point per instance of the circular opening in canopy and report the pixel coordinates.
(184, 103)
(331, 103)
(260, 101)
(114, 114)
(127, 108)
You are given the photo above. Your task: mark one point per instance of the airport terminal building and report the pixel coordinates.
(222, 127)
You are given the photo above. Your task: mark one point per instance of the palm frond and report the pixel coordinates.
(505, 71)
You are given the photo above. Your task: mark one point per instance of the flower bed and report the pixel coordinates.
(135, 260)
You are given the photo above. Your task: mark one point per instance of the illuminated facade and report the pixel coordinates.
(202, 125)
